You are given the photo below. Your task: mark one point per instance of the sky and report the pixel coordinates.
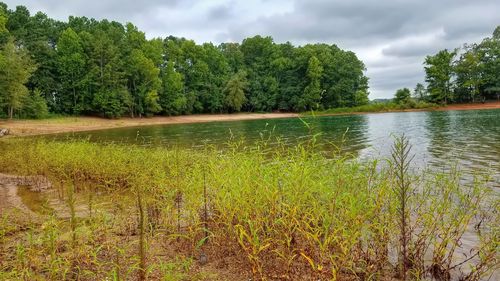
(392, 37)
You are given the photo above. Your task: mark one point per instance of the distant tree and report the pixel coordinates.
(71, 64)
(15, 70)
(361, 95)
(4, 32)
(34, 105)
(172, 99)
(402, 96)
(420, 93)
(89, 66)
(312, 92)
(235, 91)
(17, 24)
(438, 74)
(469, 73)
(144, 83)
(489, 53)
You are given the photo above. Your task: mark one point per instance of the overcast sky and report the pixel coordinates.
(392, 37)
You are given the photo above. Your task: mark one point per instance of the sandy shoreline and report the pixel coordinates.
(79, 124)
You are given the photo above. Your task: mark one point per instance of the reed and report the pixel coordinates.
(287, 213)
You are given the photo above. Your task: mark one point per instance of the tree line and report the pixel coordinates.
(104, 68)
(467, 74)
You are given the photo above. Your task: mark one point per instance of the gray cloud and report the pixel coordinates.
(391, 36)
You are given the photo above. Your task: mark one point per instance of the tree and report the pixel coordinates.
(15, 70)
(469, 71)
(489, 54)
(419, 92)
(312, 92)
(89, 66)
(71, 63)
(438, 74)
(4, 32)
(402, 96)
(34, 105)
(144, 83)
(172, 99)
(235, 91)
(258, 54)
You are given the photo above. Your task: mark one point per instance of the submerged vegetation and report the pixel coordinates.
(285, 214)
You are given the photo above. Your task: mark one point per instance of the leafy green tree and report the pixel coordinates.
(312, 92)
(15, 70)
(106, 84)
(89, 66)
(172, 99)
(258, 54)
(4, 32)
(438, 74)
(235, 91)
(469, 73)
(71, 62)
(17, 24)
(34, 106)
(402, 96)
(361, 95)
(144, 83)
(41, 41)
(419, 92)
(489, 53)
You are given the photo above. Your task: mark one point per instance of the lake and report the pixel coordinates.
(439, 139)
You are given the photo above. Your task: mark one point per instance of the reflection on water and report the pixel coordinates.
(468, 138)
(472, 138)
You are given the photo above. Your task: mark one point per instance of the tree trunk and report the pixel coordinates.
(11, 112)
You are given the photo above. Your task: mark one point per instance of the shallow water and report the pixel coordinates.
(470, 139)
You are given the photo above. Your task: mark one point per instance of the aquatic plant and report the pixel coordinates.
(287, 213)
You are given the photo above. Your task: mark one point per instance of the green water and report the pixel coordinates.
(468, 138)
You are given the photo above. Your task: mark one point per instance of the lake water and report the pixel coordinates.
(470, 139)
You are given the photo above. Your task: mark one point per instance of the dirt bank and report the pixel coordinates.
(471, 106)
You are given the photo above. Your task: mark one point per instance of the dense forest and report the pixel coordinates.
(467, 74)
(104, 68)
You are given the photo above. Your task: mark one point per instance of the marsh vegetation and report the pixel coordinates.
(289, 213)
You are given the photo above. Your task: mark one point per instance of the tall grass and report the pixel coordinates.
(290, 214)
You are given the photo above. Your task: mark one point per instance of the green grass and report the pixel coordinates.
(291, 212)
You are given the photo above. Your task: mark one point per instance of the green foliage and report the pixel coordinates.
(172, 99)
(71, 64)
(329, 215)
(235, 91)
(420, 93)
(471, 77)
(34, 106)
(402, 96)
(469, 71)
(312, 93)
(15, 70)
(438, 75)
(108, 69)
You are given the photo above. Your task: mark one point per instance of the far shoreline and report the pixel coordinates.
(84, 123)
(450, 107)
